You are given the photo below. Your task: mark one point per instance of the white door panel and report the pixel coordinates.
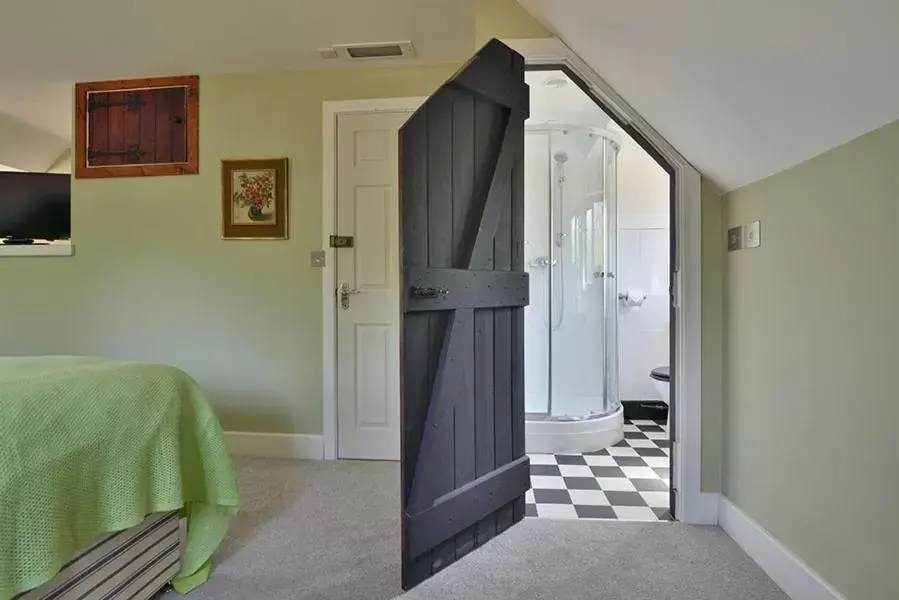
(368, 392)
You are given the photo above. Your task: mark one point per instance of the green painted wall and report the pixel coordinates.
(152, 279)
(811, 358)
(713, 239)
(505, 19)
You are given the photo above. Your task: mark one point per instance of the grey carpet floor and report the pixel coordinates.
(330, 530)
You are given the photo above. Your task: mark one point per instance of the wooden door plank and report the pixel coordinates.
(489, 124)
(484, 408)
(415, 365)
(516, 207)
(496, 199)
(148, 126)
(440, 254)
(466, 289)
(132, 133)
(463, 192)
(488, 138)
(415, 357)
(179, 124)
(502, 89)
(413, 193)
(115, 139)
(502, 256)
(467, 505)
(463, 172)
(98, 136)
(164, 113)
(436, 444)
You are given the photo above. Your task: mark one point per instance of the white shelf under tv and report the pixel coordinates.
(59, 248)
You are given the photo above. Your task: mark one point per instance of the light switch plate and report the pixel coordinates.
(754, 235)
(735, 238)
(317, 259)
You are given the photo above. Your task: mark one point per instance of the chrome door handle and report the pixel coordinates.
(345, 292)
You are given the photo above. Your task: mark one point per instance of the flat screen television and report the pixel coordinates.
(35, 205)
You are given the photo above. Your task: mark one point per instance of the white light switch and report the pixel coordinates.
(317, 259)
(753, 235)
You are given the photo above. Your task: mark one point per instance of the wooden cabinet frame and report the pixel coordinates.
(187, 161)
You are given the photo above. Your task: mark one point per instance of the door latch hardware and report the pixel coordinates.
(340, 241)
(132, 101)
(429, 292)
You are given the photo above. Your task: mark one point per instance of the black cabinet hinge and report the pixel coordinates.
(133, 152)
(132, 101)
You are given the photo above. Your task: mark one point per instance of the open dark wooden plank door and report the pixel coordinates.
(464, 467)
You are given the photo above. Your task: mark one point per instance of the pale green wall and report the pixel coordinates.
(713, 239)
(151, 278)
(811, 363)
(505, 19)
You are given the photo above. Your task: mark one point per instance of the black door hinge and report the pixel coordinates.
(132, 101)
(133, 152)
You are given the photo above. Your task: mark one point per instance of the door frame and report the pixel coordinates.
(330, 112)
(693, 505)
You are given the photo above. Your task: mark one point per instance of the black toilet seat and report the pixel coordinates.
(661, 374)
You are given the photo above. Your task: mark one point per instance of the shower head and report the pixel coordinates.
(560, 157)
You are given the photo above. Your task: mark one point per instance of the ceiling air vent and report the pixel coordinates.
(374, 51)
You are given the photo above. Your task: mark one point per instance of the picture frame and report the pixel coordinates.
(254, 199)
(137, 127)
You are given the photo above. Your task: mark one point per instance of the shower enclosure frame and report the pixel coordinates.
(607, 274)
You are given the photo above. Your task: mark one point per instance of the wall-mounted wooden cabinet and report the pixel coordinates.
(137, 127)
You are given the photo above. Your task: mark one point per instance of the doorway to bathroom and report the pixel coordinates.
(688, 502)
(597, 247)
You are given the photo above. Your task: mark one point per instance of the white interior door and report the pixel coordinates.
(368, 385)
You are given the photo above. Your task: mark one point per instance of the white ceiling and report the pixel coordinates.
(742, 89)
(567, 104)
(45, 45)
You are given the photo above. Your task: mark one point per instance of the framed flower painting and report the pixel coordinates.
(254, 199)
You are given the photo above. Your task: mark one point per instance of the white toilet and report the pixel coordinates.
(661, 378)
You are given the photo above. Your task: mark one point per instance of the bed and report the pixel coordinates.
(114, 480)
(136, 564)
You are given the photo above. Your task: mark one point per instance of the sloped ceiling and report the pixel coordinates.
(46, 45)
(742, 89)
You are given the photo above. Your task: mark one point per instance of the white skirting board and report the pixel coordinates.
(787, 570)
(701, 509)
(274, 445)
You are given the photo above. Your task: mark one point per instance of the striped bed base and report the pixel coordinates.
(129, 565)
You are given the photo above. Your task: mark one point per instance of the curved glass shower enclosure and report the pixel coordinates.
(571, 366)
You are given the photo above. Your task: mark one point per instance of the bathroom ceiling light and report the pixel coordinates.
(555, 82)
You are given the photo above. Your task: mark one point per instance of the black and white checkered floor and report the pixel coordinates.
(627, 481)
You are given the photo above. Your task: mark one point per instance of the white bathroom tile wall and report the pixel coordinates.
(654, 260)
(643, 332)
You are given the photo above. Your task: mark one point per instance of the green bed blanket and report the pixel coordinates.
(89, 446)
